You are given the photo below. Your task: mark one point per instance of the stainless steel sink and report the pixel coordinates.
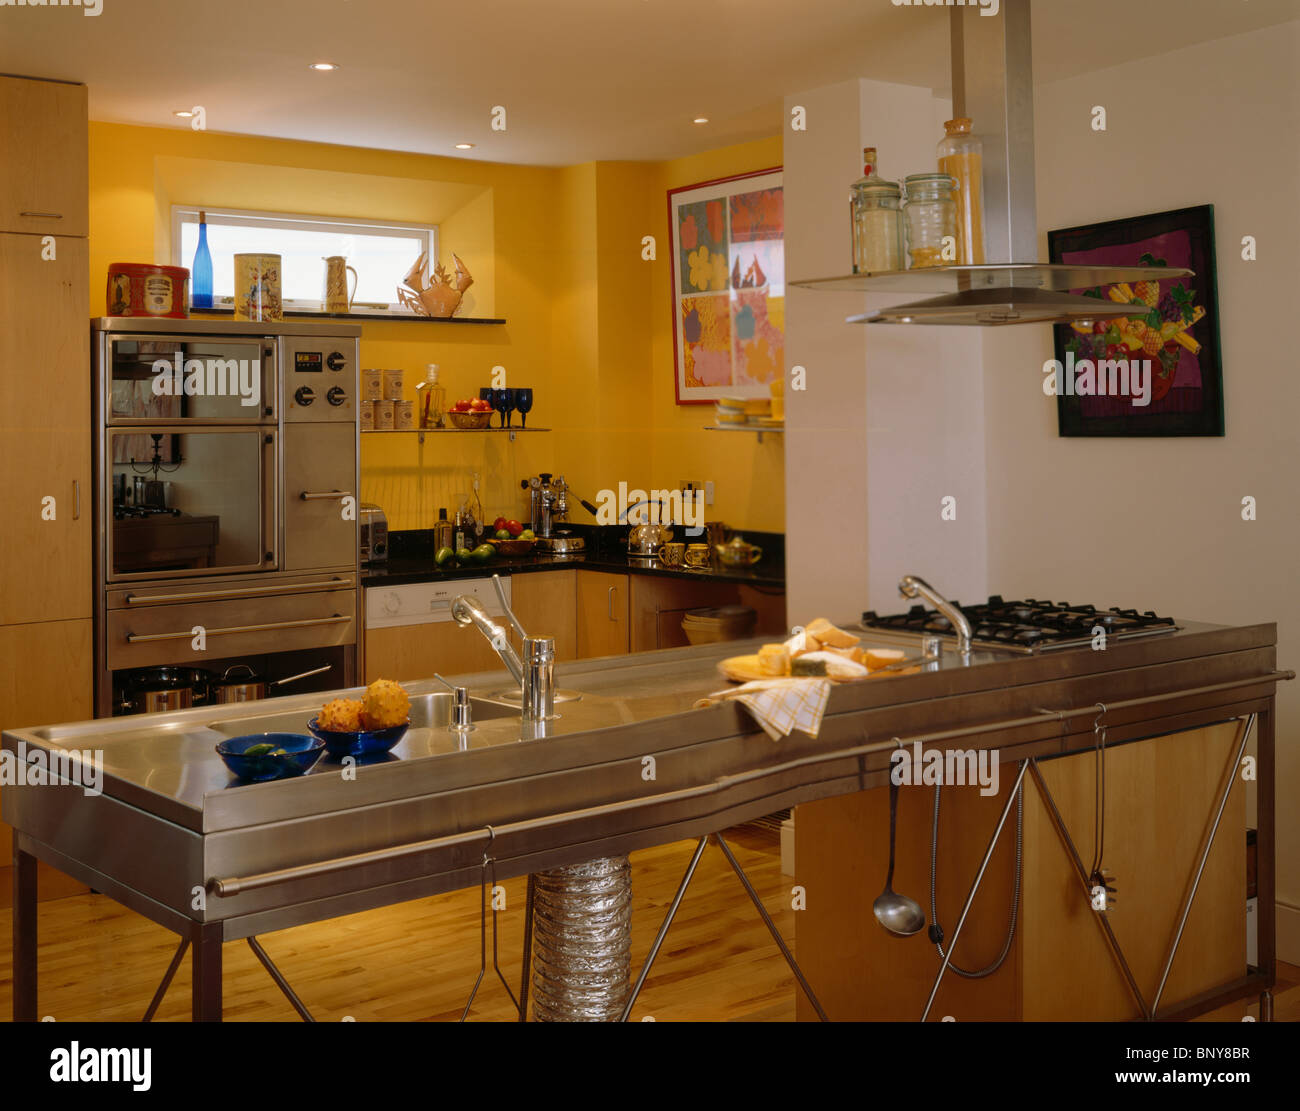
(428, 711)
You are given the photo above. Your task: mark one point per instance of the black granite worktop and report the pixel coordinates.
(411, 555)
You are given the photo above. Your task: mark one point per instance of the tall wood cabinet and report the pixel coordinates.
(45, 409)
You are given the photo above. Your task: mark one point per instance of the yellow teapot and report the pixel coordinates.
(736, 553)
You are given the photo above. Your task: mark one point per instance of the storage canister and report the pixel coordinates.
(930, 214)
(877, 226)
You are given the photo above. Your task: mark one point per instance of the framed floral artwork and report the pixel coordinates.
(728, 286)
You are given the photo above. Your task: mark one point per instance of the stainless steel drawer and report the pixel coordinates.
(144, 635)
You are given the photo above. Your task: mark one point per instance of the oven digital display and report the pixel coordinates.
(309, 362)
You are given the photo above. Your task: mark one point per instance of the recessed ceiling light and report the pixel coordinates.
(184, 114)
(701, 119)
(464, 146)
(323, 67)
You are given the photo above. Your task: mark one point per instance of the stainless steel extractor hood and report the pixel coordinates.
(992, 82)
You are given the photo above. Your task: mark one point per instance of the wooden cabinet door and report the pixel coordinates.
(45, 545)
(602, 614)
(45, 680)
(547, 605)
(44, 183)
(406, 653)
(45, 376)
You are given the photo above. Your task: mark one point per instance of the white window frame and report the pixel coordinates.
(298, 222)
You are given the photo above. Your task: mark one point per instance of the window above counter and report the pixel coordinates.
(379, 251)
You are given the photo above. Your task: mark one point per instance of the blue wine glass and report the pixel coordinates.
(499, 404)
(512, 399)
(524, 403)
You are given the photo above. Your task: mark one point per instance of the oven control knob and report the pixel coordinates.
(392, 603)
(335, 360)
(304, 395)
(336, 395)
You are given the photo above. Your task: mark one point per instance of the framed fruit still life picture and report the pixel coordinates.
(728, 286)
(1171, 340)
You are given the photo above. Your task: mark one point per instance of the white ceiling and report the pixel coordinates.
(580, 79)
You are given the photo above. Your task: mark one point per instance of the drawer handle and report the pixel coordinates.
(141, 638)
(240, 592)
(76, 504)
(324, 495)
(43, 215)
(611, 603)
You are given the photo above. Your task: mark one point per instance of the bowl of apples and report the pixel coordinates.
(510, 538)
(467, 413)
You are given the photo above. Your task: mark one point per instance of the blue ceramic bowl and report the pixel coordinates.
(300, 753)
(364, 742)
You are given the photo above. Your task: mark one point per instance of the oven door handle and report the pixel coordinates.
(186, 634)
(238, 592)
(324, 495)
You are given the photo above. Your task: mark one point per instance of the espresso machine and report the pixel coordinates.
(548, 509)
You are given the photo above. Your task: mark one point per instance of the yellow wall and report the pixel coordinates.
(557, 252)
(748, 477)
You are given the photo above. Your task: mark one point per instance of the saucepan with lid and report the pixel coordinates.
(250, 687)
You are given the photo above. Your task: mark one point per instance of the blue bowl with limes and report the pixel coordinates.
(261, 757)
(361, 742)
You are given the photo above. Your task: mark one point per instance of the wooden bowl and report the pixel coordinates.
(470, 420)
(512, 547)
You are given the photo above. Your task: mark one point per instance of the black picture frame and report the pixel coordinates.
(1176, 413)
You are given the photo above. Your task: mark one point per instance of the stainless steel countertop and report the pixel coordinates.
(166, 763)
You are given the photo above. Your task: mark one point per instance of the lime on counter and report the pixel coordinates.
(482, 553)
(444, 556)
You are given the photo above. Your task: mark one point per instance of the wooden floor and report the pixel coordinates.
(417, 961)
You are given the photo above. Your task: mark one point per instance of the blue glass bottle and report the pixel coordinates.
(201, 277)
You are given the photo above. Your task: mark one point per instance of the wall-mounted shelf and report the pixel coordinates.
(757, 429)
(297, 314)
(440, 431)
(999, 275)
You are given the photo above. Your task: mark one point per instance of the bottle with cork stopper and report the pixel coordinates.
(961, 157)
(430, 399)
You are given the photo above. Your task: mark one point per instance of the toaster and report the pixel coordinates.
(374, 533)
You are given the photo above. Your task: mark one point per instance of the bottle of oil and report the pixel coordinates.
(430, 399)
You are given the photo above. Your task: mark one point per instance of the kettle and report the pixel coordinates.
(645, 540)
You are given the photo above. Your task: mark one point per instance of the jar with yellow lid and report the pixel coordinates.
(930, 213)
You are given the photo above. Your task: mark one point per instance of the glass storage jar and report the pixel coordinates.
(877, 226)
(961, 155)
(930, 212)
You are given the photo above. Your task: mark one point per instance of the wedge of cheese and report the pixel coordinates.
(831, 664)
(773, 659)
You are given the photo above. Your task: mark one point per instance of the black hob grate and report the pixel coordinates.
(1026, 626)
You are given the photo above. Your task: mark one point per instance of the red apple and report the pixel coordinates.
(498, 524)
(480, 405)
(514, 528)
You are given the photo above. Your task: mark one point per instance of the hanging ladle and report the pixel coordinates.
(900, 915)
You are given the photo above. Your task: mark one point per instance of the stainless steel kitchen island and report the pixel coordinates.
(628, 766)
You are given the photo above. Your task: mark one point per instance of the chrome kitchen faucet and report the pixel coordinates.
(535, 674)
(913, 586)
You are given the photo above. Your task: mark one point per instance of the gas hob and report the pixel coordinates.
(1027, 626)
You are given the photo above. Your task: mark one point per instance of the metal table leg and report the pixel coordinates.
(979, 877)
(771, 928)
(526, 974)
(1265, 1006)
(166, 980)
(280, 981)
(205, 961)
(663, 929)
(24, 936)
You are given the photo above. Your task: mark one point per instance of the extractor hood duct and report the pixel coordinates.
(993, 84)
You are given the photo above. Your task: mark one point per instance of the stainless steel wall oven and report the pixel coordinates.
(226, 492)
